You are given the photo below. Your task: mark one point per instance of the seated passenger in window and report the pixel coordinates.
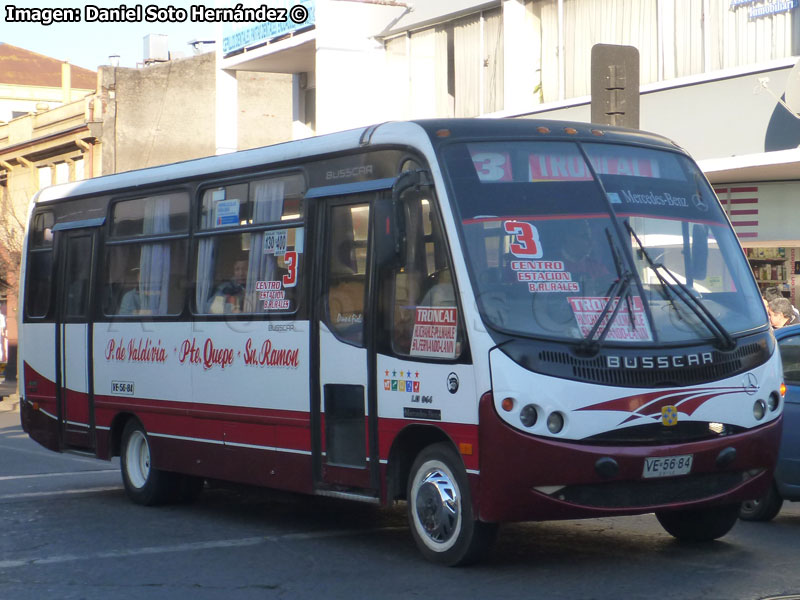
(228, 297)
(131, 303)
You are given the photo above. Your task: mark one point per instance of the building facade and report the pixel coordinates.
(126, 119)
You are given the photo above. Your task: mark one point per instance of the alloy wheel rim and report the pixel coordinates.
(437, 507)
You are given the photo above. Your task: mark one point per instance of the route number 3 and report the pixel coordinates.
(527, 243)
(290, 279)
(492, 166)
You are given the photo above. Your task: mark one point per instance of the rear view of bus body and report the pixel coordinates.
(492, 320)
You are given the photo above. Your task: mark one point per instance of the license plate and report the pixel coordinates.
(667, 466)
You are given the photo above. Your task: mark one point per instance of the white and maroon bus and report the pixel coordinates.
(493, 320)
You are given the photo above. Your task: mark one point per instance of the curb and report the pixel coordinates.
(9, 403)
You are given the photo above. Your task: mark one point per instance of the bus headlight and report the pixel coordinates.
(528, 415)
(555, 422)
(774, 401)
(759, 409)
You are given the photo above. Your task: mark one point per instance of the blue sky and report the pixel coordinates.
(89, 45)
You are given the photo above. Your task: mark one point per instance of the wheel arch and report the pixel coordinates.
(117, 427)
(407, 445)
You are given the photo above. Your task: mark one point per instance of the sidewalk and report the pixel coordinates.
(9, 400)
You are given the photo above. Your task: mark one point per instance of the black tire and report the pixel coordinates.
(765, 508)
(699, 525)
(440, 509)
(143, 484)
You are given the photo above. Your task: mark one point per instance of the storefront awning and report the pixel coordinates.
(294, 54)
(781, 165)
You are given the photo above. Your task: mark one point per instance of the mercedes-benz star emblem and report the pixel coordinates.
(750, 384)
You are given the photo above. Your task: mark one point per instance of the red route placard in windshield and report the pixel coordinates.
(496, 167)
(624, 329)
(434, 332)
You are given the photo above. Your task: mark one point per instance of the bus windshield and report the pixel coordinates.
(634, 249)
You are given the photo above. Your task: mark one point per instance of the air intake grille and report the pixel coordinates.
(626, 494)
(596, 371)
(640, 367)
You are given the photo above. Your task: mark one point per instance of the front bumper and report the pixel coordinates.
(527, 478)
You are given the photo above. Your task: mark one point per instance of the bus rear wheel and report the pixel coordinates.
(699, 525)
(440, 509)
(143, 484)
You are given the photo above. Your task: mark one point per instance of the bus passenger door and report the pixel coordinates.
(73, 355)
(342, 419)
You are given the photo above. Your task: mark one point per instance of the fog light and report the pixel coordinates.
(528, 415)
(774, 401)
(759, 409)
(555, 422)
(716, 427)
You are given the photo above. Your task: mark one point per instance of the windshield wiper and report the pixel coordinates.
(619, 289)
(679, 290)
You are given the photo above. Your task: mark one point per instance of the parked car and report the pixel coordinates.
(786, 485)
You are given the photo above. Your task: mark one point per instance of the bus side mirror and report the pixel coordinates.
(386, 233)
(699, 251)
(390, 217)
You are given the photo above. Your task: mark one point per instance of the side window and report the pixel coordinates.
(42, 233)
(253, 272)
(268, 200)
(144, 275)
(424, 312)
(76, 277)
(40, 266)
(346, 271)
(790, 357)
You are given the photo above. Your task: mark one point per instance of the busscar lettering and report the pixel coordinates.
(349, 172)
(677, 361)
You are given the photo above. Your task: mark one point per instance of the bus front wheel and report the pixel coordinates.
(765, 508)
(699, 525)
(440, 509)
(143, 484)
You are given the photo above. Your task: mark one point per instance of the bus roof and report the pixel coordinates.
(393, 132)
